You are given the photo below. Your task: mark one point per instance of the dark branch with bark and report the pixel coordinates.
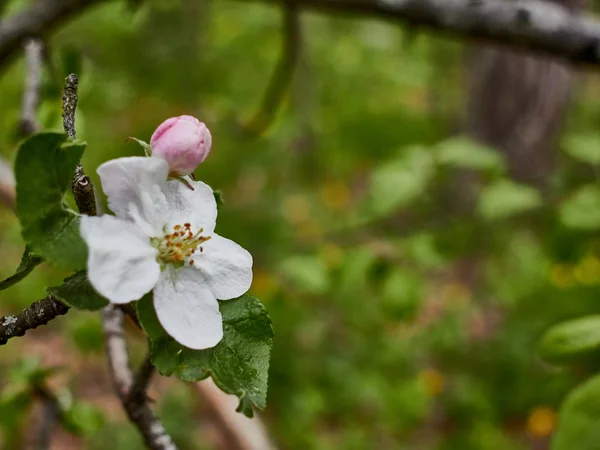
(526, 24)
(531, 25)
(81, 185)
(43, 17)
(142, 379)
(46, 417)
(132, 392)
(69, 104)
(36, 314)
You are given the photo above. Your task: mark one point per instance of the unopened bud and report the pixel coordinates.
(184, 142)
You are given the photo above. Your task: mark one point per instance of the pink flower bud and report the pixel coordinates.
(184, 142)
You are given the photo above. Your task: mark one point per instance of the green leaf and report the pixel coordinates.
(466, 153)
(14, 402)
(43, 169)
(29, 261)
(505, 198)
(239, 364)
(79, 293)
(401, 181)
(85, 332)
(29, 371)
(582, 209)
(83, 418)
(578, 419)
(584, 147)
(571, 341)
(401, 294)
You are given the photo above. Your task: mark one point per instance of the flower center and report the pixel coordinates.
(178, 247)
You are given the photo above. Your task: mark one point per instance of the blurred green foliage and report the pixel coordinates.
(400, 321)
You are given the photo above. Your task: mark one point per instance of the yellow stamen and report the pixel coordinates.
(179, 245)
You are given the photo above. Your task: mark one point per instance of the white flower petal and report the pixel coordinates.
(195, 206)
(187, 309)
(227, 267)
(133, 187)
(121, 263)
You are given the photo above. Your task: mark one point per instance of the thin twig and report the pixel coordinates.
(48, 417)
(7, 185)
(142, 379)
(83, 191)
(33, 82)
(239, 432)
(284, 72)
(69, 104)
(112, 320)
(136, 406)
(36, 314)
(81, 185)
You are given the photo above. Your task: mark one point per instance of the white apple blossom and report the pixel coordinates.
(162, 237)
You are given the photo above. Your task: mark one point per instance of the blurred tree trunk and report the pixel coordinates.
(517, 104)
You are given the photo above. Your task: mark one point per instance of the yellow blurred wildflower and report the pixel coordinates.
(296, 209)
(335, 195)
(433, 381)
(310, 232)
(541, 422)
(331, 255)
(561, 276)
(456, 295)
(416, 99)
(588, 270)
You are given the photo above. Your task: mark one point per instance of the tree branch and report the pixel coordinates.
(36, 314)
(7, 185)
(69, 104)
(142, 379)
(239, 432)
(132, 394)
(282, 76)
(33, 83)
(528, 24)
(542, 27)
(36, 21)
(43, 311)
(81, 185)
(49, 414)
(116, 349)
